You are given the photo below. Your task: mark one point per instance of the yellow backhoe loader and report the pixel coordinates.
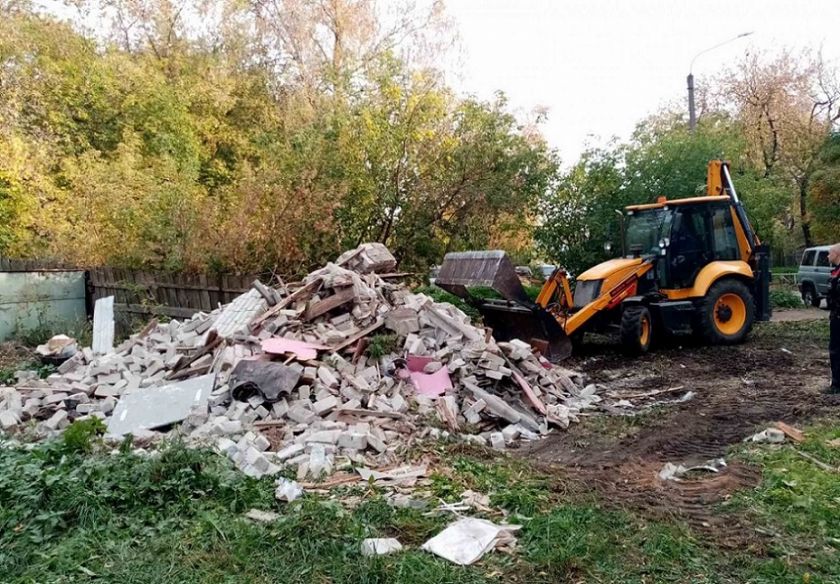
(691, 265)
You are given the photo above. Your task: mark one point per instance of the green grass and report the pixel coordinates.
(72, 513)
(799, 503)
(7, 374)
(441, 295)
(813, 332)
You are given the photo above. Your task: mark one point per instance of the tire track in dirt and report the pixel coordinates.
(738, 389)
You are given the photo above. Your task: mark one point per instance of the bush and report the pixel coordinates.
(785, 299)
(441, 295)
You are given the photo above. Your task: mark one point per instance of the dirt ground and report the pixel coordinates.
(798, 314)
(737, 391)
(13, 354)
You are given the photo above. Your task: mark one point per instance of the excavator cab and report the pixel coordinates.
(691, 265)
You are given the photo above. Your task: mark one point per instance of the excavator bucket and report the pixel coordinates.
(514, 316)
(480, 269)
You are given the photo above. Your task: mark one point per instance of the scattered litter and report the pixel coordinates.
(300, 349)
(404, 476)
(465, 541)
(675, 472)
(431, 384)
(262, 516)
(770, 435)
(794, 434)
(58, 349)
(287, 490)
(783, 350)
(270, 379)
(380, 546)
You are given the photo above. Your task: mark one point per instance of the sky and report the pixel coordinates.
(600, 66)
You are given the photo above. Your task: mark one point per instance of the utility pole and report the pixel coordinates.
(692, 115)
(692, 112)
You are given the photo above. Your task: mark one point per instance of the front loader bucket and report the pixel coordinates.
(517, 317)
(531, 324)
(473, 269)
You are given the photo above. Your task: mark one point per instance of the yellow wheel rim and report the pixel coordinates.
(644, 337)
(730, 314)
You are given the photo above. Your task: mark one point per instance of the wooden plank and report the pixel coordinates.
(371, 413)
(341, 297)
(794, 434)
(184, 291)
(214, 289)
(362, 333)
(169, 286)
(206, 305)
(303, 292)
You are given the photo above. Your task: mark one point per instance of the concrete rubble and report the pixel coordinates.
(345, 369)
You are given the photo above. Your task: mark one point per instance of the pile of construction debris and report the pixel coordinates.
(345, 368)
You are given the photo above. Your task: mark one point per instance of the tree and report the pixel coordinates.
(787, 106)
(245, 137)
(579, 215)
(825, 192)
(663, 158)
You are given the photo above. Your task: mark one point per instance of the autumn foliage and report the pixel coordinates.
(218, 135)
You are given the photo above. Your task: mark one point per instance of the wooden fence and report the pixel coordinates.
(175, 295)
(15, 265)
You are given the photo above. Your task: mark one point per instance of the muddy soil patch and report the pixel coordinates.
(737, 390)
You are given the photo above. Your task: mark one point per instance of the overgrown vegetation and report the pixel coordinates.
(251, 136)
(785, 299)
(69, 512)
(441, 295)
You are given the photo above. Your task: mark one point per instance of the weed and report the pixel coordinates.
(176, 516)
(785, 299)
(381, 345)
(80, 435)
(7, 376)
(34, 336)
(441, 295)
(44, 370)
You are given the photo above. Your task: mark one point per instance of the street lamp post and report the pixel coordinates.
(692, 115)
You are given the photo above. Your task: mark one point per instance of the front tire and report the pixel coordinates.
(636, 330)
(810, 296)
(727, 313)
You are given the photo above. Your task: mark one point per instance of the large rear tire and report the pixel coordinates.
(636, 330)
(727, 313)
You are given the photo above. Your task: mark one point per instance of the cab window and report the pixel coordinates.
(808, 257)
(822, 260)
(725, 241)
